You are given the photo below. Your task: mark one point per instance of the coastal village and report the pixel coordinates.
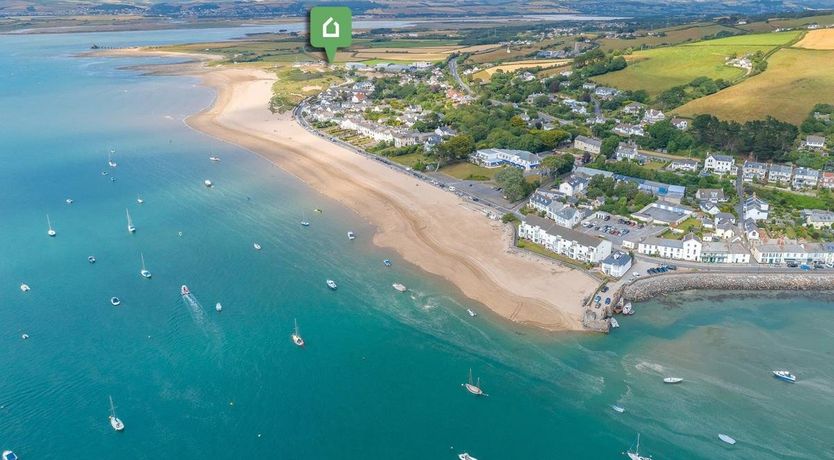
(592, 192)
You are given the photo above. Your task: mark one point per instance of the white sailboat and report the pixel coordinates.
(400, 287)
(304, 221)
(296, 336)
(144, 271)
(110, 161)
(214, 158)
(115, 422)
(51, 231)
(139, 199)
(130, 227)
(466, 456)
(636, 454)
(474, 387)
(218, 307)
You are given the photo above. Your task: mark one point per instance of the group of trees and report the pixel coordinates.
(769, 139)
(691, 181)
(622, 197)
(699, 87)
(596, 62)
(455, 148)
(514, 184)
(818, 124)
(663, 135)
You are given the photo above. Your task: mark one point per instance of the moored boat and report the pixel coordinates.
(115, 422)
(218, 307)
(614, 322)
(351, 236)
(256, 246)
(466, 456)
(110, 161)
(130, 227)
(91, 259)
(144, 271)
(69, 200)
(726, 439)
(9, 455)
(214, 158)
(387, 262)
(51, 231)
(25, 287)
(474, 387)
(332, 284)
(208, 183)
(399, 287)
(617, 408)
(471, 313)
(636, 454)
(785, 376)
(672, 380)
(296, 336)
(139, 199)
(115, 301)
(628, 309)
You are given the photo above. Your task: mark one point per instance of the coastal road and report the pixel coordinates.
(453, 69)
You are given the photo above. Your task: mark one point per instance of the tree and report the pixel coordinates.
(513, 183)
(609, 146)
(550, 139)
(557, 164)
(454, 148)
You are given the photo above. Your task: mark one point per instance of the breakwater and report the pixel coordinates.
(648, 288)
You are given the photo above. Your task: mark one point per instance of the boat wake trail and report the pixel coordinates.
(196, 310)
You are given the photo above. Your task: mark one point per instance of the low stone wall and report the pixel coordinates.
(648, 288)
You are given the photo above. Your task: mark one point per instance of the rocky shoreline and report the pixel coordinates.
(648, 288)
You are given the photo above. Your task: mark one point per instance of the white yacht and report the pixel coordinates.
(331, 284)
(25, 287)
(130, 227)
(218, 307)
(471, 313)
(474, 387)
(115, 422)
(144, 271)
(466, 456)
(51, 231)
(617, 408)
(672, 380)
(351, 236)
(256, 246)
(9, 455)
(726, 439)
(614, 323)
(110, 161)
(139, 199)
(214, 158)
(115, 301)
(399, 287)
(208, 183)
(69, 200)
(785, 375)
(296, 336)
(636, 454)
(628, 309)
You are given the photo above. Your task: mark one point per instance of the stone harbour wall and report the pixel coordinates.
(648, 288)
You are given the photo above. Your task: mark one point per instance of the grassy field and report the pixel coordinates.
(411, 159)
(469, 171)
(776, 23)
(794, 81)
(659, 69)
(673, 36)
(817, 40)
(500, 54)
(486, 74)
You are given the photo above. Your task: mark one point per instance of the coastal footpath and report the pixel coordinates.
(649, 288)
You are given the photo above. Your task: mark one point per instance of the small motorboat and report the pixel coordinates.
(628, 309)
(214, 158)
(318, 210)
(208, 183)
(25, 287)
(332, 284)
(387, 262)
(69, 200)
(115, 301)
(471, 313)
(466, 456)
(257, 246)
(104, 173)
(305, 223)
(112, 179)
(726, 439)
(614, 322)
(672, 380)
(617, 408)
(184, 290)
(91, 259)
(9, 455)
(785, 376)
(24, 336)
(351, 236)
(218, 308)
(139, 200)
(399, 287)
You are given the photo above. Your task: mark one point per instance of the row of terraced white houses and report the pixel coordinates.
(797, 177)
(692, 249)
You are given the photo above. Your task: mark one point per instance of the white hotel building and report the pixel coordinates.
(565, 241)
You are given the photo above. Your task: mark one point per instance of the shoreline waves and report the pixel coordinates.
(431, 228)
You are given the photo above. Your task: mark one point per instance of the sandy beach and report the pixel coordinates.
(429, 227)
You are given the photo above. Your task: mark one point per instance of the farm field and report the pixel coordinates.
(776, 23)
(794, 81)
(659, 69)
(822, 39)
(512, 67)
(672, 36)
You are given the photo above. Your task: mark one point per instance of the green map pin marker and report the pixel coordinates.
(330, 28)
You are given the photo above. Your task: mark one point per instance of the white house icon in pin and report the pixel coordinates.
(327, 32)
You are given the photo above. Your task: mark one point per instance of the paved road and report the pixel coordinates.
(453, 68)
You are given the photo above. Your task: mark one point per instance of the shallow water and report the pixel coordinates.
(381, 373)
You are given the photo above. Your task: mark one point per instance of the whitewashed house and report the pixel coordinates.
(687, 249)
(804, 178)
(684, 165)
(633, 108)
(493, 158)
(753, 171)
(720, 164)
(818, 218)
(574, 185)
(565, 241)
(616, 264)
(755, 208)
(724, 252)
(653, 116)
(780, 174)
(628, 151)
(587, 144)
(815, 142)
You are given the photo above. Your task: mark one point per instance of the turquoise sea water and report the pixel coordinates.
(380, 375)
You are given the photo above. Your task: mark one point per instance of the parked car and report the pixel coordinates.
(604, 289)
(608, 301)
